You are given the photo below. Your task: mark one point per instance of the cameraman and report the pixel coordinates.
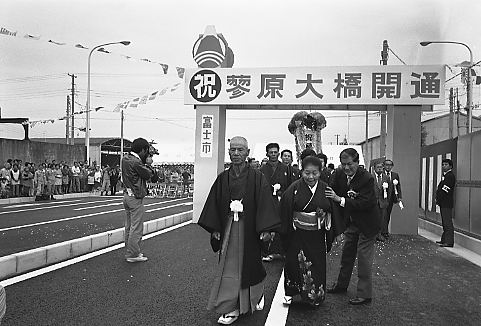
(136, 171)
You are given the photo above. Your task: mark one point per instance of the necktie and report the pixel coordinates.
(349, 180)
(379, 179)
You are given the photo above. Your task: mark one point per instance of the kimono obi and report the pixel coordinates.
(306, 221)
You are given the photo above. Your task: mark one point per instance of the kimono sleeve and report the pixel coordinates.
(210, 217)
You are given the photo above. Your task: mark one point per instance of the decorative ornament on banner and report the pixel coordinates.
(165, 67)
(306, 128)
(211, 50)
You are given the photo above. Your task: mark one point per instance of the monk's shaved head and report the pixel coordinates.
(239, 141)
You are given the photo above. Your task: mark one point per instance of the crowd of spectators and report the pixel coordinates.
(26, 179)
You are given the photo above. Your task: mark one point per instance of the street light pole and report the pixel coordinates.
(87, 120)
(469, 92)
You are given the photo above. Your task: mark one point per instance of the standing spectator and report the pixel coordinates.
(65, 179)
(185, 181)
(58, 180)
(40, 180)
(445, 201)
(382, 188)
(27, 180)
(50, 175)
(75, 177)
(105, 180)
(325, 176)
(97, 178)
(15, 181)
(83, 177)
(353, 191)
(114, 179)
(293, 173)
(5, 180)
(136, 171)
(91, 179)
(396, 193)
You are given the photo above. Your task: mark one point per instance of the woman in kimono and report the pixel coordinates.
(308, 227)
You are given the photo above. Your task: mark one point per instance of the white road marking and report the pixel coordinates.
(66, 263)
(40, 204)
(121, 203)
(161, 208)
(82, 216)
(56, 206)
(278, 313)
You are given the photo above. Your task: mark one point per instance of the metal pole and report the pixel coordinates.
(121, 134)
(87, 122)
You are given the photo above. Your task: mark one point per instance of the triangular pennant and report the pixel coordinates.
(80, 46)
(135, 103)
(56, 43)
(143, 100)
(153, 95)
(165, 67)
(163, 91)
(5, 31)
(180, 72)
(32, 37)
(103, 50)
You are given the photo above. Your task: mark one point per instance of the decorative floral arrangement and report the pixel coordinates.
(352, 194)
(236, 207)
(385, 186)
(276, 187)
(303, 123)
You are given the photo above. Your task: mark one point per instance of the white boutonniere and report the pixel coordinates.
(401, 205)
(276, 188)
(352, 194)
(395, 183)
(236, 207)
(385, 186)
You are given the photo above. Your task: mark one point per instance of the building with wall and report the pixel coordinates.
(436, 129)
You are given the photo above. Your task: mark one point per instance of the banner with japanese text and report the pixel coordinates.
(344, 85)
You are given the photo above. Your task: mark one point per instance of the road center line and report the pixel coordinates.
(55, 206)
(121, 203)
(81, 216)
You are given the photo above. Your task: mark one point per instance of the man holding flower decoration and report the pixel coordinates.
(396, 195)
(383, 190)
(240, 214)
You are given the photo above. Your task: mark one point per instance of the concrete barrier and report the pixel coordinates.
(29, 260)
(18, 200)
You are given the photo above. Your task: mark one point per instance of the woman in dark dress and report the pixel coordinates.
(308, 227)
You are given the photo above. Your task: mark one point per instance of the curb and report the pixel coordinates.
(25, 261)
(460, 239)
(17, 200)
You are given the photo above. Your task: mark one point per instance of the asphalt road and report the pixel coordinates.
(415, 283)
(30, 225)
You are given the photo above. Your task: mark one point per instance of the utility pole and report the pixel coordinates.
(384, 58)
(67, 124)
(451, 112)
(72, 139)
(337, 138)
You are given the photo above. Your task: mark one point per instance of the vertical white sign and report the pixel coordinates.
(206, 138)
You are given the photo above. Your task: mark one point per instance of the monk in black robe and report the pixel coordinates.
(240, 214)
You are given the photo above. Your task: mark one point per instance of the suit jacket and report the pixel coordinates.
(394, 198)
(379, 190)
(445, 191)
(361, 209)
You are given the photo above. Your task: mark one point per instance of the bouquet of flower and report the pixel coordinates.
(306, 128)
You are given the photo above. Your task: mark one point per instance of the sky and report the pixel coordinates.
(34, 81)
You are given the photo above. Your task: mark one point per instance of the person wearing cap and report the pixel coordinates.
(136, 170)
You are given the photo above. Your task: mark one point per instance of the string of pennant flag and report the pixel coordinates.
(134, 103)
(165, 67)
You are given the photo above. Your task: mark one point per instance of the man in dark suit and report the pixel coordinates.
(396, 193)
(445, 201)
(277, 176)
(383, 190)
(352, 188)
(325, 175)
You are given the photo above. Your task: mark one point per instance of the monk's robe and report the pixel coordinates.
(240, 275)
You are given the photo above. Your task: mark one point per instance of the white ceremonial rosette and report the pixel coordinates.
(401, 205)
(395, 183)
(385, 186)
(236, 207)
(276, 188)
